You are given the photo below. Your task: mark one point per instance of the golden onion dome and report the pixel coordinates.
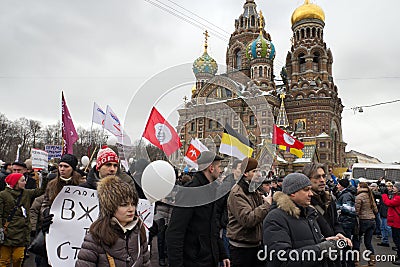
(308, 11)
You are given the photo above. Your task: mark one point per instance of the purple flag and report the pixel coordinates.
(69, 134)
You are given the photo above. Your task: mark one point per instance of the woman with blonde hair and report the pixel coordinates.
(366, 210)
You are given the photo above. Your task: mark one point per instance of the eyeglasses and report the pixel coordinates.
(318, 176)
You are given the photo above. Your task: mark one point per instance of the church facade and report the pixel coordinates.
(305, 102)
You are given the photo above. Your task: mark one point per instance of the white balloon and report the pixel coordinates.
(158, 180)
(85, 161)
(130, 160)
(112, 140)
(93, 164)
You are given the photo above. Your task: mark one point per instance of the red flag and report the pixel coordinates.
(282, 138)
(193, 152)
(69, 134)
(161, 134)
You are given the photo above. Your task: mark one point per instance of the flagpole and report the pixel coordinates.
(91, 157)
(91, 131)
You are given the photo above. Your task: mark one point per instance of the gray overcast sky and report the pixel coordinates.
(104, 51)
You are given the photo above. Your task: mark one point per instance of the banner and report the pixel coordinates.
(69, 134)
(160, 133)
(193, 152)
(75, 209)
(54, 151)
(40, 159)
(113, 125)
(98, 114)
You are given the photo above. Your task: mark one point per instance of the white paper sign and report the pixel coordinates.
(39, 159)
(75, 209)
(145, 210)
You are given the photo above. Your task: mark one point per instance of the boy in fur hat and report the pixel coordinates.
(117, 237)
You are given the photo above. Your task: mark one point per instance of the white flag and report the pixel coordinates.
(98, 114)
(113, 125)
(193, 152)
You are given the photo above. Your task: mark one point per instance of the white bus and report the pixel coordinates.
(372, 171)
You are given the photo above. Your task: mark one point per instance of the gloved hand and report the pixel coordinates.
(385, 190)
(47, 220)
(325, 245)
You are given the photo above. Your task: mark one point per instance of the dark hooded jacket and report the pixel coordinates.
(292, 229)
(346, 204)
(192, 235)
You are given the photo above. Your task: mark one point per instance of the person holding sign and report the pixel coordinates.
(66, 175)
(118, 236)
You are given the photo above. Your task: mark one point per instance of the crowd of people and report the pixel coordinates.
(296, 220)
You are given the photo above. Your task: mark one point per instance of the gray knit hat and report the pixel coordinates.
(397, 185)
(294, 182)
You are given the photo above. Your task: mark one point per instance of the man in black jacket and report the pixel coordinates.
(291, 234)
(192, 235)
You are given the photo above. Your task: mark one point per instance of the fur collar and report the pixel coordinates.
(284, 203)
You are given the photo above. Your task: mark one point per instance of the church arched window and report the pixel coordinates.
(316, 57)
(238, 59)
(302, 62)
(260, 71)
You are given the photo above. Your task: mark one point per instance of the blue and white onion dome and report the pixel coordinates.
(260, 48)
(205, 64)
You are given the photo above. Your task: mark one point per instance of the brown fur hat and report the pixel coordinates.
(112, 192)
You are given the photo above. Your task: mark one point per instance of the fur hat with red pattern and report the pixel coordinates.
(106, 155)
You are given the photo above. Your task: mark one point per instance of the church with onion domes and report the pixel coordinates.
(305, 103)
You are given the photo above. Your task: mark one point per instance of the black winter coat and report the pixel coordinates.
(289, 227)
(327, 214)
(192, 235)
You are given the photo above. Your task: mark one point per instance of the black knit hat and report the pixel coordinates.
(70, 159)
(294, 182)
(344, 182)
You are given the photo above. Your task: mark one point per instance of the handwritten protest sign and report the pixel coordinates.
(75, 209)
(39, 159)
(54, 151)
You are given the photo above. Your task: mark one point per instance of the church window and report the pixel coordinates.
(316, 57)
(252, 73)
(238, 59)
(322, 144)
(200, 135)
(210, 124)
(322, 156)
(241, 22)
(302, 33)
(192, 126)
(228, 93)
(260, 72)
(252, 120)
(308, 32)
(302, 62)
(313, 33)
(253, 21)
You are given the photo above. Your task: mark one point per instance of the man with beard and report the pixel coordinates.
(192, 235)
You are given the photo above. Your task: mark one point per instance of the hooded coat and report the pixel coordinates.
(19, 229)
(291, 229)
(393, 215)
